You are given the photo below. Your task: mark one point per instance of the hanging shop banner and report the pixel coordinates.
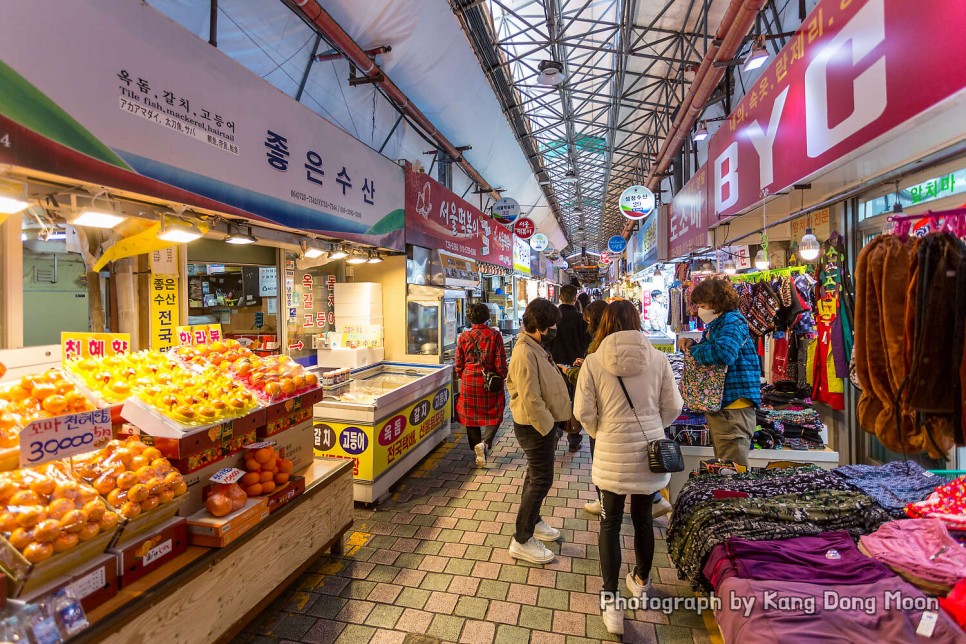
(852, 72)
(642, 251)
(539, 242)
(616, 244)
(374, 448)
(538, 269)
(165, 296)
(820, 225)
(506, 210)
(524, 228)
(740, 255)
(438, 218)
(104, 97)
(687, 225)
(604, 259)
(198, 334)
(93, 345)
(637, 202)
(521, 256)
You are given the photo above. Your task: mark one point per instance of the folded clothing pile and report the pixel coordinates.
(947, 503)
(798, 423)
(921, 551)
(893, 485)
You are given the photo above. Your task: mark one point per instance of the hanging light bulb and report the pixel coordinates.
(729, 267)
(809, 248)
(761, 260)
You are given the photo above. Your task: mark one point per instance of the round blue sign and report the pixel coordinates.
(353, 441)
(616, 244)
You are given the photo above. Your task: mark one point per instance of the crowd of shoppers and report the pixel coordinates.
(588, 362)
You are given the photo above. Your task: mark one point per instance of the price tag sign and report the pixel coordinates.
(51, 439)
(260, 445)
(227, 476)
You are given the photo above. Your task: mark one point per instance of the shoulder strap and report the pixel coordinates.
(629, 402)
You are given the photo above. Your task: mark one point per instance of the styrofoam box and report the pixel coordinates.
(349, 358)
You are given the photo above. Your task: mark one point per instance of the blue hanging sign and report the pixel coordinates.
(616, 244)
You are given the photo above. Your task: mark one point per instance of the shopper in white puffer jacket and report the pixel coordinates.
(620, 460)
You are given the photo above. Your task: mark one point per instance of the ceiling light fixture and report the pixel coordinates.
(690, 72)
(312, 252)
(239, 237)
(729, 267)
(13, 197)
(758, 56)
(179, 232)
(897, 206)
(761, 260)
(809, 248)
(338, 253)
(356, 259)
(551, 73)
(375, 258)
(97, 219)
(701, 133)
(569, 177)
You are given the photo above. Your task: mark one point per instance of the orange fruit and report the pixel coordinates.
(254, 490)
(94, 510)
(31, 515)
(24, 497)
(55, 404)
(89, 531)
(73, 521)
(20, 538)
(109, 521)
(129, 510)
(43, 390)
(264, 455)
(180, 488)
(59, 507)
(138, 493)
(65, 541)
(37, 552)
(281, 478)
(126, 480)
(43, 486)
(150, 503)
(268, 487)
(250, 479)
(285, 466)
(47, 531)
(252, 465)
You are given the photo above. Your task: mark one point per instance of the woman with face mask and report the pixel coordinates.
(538, 401)
(727, 341)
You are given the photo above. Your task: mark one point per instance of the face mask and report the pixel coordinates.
(707, 315)
(548, 335)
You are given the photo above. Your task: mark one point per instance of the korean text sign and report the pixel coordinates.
(165, 311)
(374, 448)
(93, 345)
(439, 218)
(50, 439)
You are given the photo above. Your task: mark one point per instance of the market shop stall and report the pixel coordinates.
(385, 419)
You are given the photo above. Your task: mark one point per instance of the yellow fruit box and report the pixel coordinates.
(26, 577)
(218, 532)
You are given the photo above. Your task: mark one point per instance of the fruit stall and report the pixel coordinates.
(134, 485)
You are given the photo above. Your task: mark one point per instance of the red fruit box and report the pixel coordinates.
(278, 498)
(138, 557)
(290, 412)
(218, 532)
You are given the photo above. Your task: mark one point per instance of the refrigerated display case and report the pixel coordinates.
(385, 419)
(435, 317)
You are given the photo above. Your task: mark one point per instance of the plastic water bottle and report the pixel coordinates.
(41, 624)
(69, 612)
(13, 630)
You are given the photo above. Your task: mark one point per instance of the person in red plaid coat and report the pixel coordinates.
(478, 349)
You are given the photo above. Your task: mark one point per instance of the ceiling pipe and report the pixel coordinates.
(320, 20)
(737, 21)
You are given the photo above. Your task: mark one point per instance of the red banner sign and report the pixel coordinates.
(687, 221)
(438, 218)
(853, 71)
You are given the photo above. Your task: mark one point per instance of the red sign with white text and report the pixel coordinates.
(687, 220)
(524, 228)
(853, 71)
(439, 218)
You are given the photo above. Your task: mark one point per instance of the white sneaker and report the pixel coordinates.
(661, 508)
(544, 532)
(592, 507)
(613, 619)
(532, 551)
(637, 589)
(480, 451)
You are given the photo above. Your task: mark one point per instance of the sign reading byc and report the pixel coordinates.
(153, 99)
(851, 73)
(637, 202)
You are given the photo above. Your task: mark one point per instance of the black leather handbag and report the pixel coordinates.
(492, 381)
(663, 456)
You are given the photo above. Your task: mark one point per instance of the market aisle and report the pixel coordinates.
(433, 560)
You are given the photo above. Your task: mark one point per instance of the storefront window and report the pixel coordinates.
(56, 296)
(309, 305)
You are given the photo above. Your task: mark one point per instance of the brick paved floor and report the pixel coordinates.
(431, 565)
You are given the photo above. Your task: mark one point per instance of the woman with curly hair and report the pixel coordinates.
(727, 341)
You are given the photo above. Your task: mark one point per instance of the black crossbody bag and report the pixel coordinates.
(663, 456)
(492, 381)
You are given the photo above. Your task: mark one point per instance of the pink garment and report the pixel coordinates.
(800, 613)
(907, 545)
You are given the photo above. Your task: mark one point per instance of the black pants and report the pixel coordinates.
(609, 540)
(538, 479)
(475, 437)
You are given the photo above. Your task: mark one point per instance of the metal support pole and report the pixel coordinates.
(391, 132)
(213, 24)
(308, 68)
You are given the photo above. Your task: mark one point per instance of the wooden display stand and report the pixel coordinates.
(208, 595)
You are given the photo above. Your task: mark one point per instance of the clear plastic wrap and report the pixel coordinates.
(36, 397)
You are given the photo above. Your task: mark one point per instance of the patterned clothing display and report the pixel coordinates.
(477, 349)
(893, 485)
(921, 551)
(777, 517)
(828, 388)
(947, 503)
(766, 484)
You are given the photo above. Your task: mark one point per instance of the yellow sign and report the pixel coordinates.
(93, 345)
(165, 310)
(198, 334)
(819, 222)
(374, 448)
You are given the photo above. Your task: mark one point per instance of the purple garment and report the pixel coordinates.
(719, 566)
(830, 558)
(906, 547)
(839, 358)
(765, 612)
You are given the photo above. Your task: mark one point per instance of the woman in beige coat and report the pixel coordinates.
(538, 401)
(625, 369)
